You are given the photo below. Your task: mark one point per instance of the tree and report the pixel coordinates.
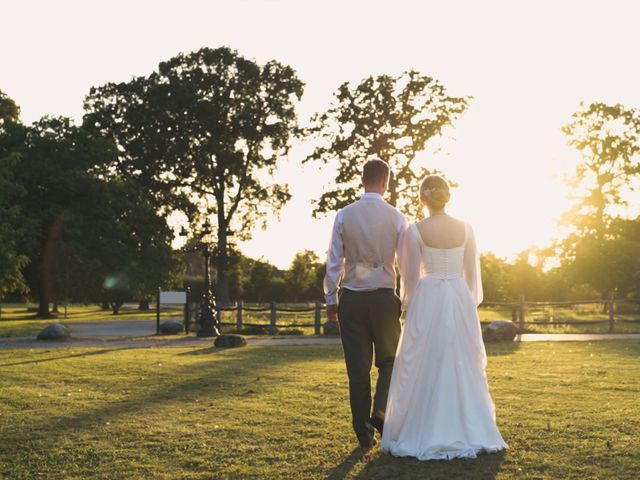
(267, 283)
(390, 118)
(612, 263)
(525, 277)
(626, 235)
(608, 139)
(80, 231)
(494, 277)
(53, 172)
(11, 263)
(204, 133)
(151, 262)
(9, 110)
(302, 277)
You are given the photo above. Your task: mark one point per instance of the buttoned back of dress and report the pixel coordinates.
(445, 263)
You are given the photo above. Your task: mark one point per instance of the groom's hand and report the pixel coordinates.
(332, 313)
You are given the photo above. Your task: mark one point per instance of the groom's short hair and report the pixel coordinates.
(375, 171)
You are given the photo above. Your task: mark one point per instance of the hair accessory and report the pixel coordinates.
(429, 191)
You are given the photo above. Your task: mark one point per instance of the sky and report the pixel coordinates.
(527, 64)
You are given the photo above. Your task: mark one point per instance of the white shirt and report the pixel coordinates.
(364, 244)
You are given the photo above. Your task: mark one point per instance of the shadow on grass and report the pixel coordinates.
(485, 467)
(63, 357)
(208, 379)
(341, 471)
(501, 348)
(203, 351)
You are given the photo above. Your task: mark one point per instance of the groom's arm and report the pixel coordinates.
(335, 269)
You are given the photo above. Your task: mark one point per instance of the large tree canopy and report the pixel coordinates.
(385, 117)
(203, 134)
(609, 264)
(11, 263)
(601, 249)
(608, 139)
(79, 231)
(53, 170)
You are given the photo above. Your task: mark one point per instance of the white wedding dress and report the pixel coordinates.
(439, 405)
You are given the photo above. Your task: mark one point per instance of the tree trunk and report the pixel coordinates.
(393, 189)
(222, 290)
(143, 304)
(600, 204)
(605, 305)
(43, 300)
(222, 261)
(222, 279)
(43, 305)
(55, 307)
(115, 306)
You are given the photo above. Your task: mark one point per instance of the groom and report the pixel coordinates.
(364, 243)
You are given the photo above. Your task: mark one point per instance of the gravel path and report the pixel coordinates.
(122, 328)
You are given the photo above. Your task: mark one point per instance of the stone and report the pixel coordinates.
(330, 329)
(500, 330)
(171, 327)
(230, 340)
(55, 331)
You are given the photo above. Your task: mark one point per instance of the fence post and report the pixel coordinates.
(273, 329)
(612, 300)
(521, 312)
(239, 315)
(317, 318)
(158, 313)
(187, 313)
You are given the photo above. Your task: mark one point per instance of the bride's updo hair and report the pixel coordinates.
(434, 191)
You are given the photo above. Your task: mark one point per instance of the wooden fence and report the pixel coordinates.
(519, 312)
(273, 310)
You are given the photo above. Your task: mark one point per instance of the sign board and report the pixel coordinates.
(173, 297)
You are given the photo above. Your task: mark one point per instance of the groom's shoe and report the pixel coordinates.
(377, 423)
(368, 444)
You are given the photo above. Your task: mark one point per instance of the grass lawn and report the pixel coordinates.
(567, 410)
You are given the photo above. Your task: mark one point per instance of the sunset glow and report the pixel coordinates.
(527, 65)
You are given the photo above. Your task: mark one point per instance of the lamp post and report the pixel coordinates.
(208, 321)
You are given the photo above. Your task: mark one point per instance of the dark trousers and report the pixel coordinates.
(369, 321)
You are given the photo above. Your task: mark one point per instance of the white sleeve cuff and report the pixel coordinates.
(331, 299)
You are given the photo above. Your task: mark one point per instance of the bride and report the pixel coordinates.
(439, 405)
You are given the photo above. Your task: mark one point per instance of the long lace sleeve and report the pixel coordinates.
(471, 269)
(409, 261)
